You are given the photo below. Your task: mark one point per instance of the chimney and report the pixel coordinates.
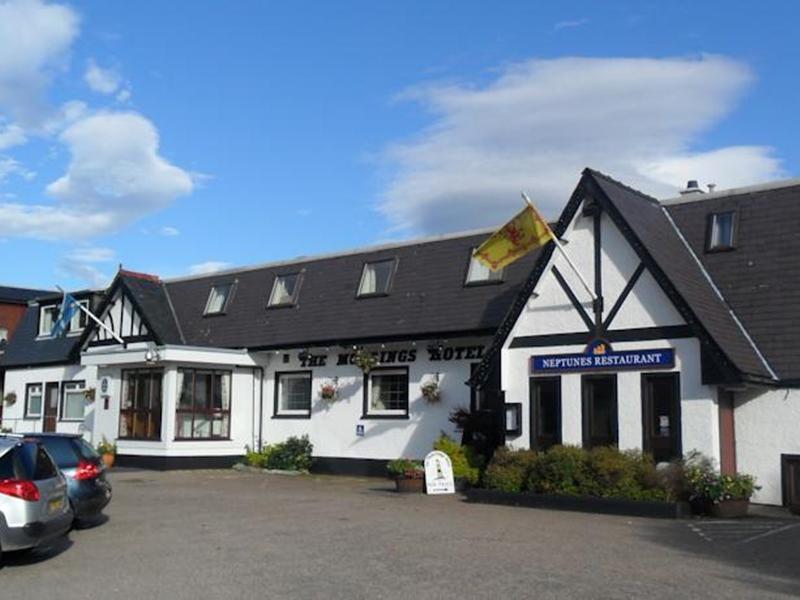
(691, 188)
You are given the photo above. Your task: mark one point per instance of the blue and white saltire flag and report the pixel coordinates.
(69, 306)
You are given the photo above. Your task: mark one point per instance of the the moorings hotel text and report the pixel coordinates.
(665, 326)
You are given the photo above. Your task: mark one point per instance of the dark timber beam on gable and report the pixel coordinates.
(573, 298)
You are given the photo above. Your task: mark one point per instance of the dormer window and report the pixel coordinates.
(284, 290)
(479, 274)
(721, 231)
(48, 315)
(78, 320)
(218, 299)
(376, 278)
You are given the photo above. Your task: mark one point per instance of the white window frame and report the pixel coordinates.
(474, 263)
(225, 302)
(392, 262)
(370, 409)
(76, 319)
(273, 302)
(28, 388)
(713, 226)
(42, 309)
(280, 377)
(72, 387)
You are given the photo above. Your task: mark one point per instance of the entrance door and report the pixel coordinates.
(50, 407)
(790, 467)
(661, 414)
(545, 412)
(599, 410)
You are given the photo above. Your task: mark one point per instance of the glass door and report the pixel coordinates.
(50, 407)
(545, 412)
(661, 414)
(599, 410)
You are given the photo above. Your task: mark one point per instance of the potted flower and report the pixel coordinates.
(431, 391)
(366, 361)
(108, 451)
(329, 390)
(408, 475)
(10, 398)
(718, 495)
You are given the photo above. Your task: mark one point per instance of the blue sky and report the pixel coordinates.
(183, 136)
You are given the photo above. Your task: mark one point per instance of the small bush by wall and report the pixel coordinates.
(509, 470)
(292, 455)
(562, 470)
(467, 463)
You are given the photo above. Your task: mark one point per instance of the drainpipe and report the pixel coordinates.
(260, 406)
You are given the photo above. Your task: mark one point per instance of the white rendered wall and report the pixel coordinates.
(767, 425)
(332, 426)
(549, 311)
(16, 381)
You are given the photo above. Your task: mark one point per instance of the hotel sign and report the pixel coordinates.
(599, 356)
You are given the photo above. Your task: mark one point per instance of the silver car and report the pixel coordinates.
(33, 496)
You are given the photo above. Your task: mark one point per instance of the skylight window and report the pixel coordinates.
(721, 231)
(478, 273)
(376, 278)
(284, 290)
(218, 299)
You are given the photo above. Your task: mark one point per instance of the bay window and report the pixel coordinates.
(140, 405)
(204, 404)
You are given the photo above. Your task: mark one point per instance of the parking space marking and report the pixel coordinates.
(738, 532)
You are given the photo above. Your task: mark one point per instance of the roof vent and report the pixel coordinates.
(691, 188)
(711, 187)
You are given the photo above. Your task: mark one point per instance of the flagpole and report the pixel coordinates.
(572, 265)
(95, 319)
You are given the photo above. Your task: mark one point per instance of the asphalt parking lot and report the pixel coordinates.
(225, 534)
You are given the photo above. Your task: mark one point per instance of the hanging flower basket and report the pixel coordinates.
(329, 391)
(366, 361)
(10, 398)
(89, 394)
(431, 390)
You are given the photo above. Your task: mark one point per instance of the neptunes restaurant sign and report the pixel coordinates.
(600, 357)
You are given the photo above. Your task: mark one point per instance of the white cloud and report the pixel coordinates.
(115, 176)
(169, 231)
(100, 80)
(82, 263)
(9, 166)
(540, 122)
(211, 266)
(34, 42)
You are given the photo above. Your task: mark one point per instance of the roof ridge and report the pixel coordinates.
(610, 179)
(733, 192)
(331, 255)
(140, 275)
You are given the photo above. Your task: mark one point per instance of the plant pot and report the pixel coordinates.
(108, 460)
(729, 509)
(410, 486)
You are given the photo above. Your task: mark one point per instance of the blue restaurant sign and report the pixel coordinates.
(600, 357)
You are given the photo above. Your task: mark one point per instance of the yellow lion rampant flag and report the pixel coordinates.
(525, 232)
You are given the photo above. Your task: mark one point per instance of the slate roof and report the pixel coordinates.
(150, 297)
(652, 227)
(25, 349)
(428, 298)
(760, 278)
(16, 295)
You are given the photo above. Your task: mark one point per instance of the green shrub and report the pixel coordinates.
(562, 470)
(292, 455)
(404, 467)
(623, 474)
(509, 470)
(467, 463)
(707, 484)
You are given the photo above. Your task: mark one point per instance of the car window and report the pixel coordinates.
(9, 466)
(85, 450)
(36, 462)
(62, 450)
